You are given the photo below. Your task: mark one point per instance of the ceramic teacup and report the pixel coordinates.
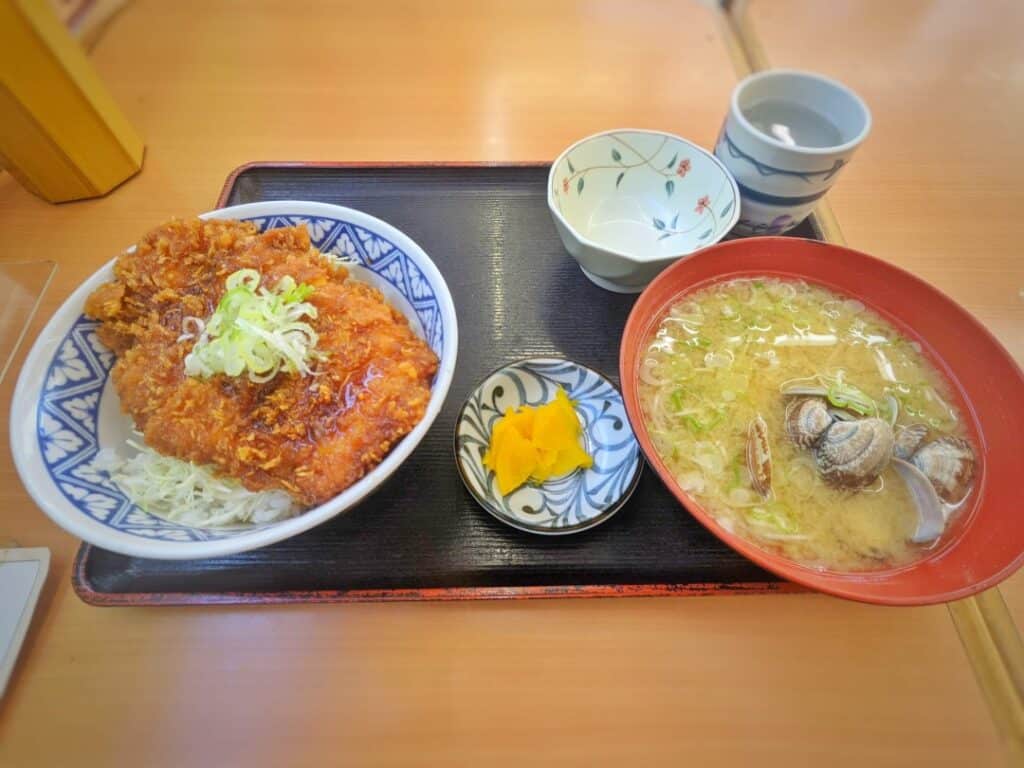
(787, 136)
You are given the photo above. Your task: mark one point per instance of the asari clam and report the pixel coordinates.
(949, 464)
(852, 452)
(806, 420)
(759, 457)
(908, 440)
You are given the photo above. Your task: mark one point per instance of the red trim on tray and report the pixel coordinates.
(90, 596)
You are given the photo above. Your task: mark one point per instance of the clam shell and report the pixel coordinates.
(851, 454)
(759, 456)
(807, 418)
(909, 439)
(838, 414)
(931, 521)
(949, 464)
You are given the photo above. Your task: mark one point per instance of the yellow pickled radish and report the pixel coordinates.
(569, 459)
(522, 421)
(556, 427)
(546, 461)
(514, 462)
(536, 442)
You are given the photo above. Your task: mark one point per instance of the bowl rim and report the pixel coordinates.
(837, 583)
(797, 149)
(24, 418)
(733, 218)
(605, 515)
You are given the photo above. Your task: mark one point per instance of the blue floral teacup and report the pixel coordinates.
(787, 136)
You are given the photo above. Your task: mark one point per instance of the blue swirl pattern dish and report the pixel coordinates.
(65, 409)
(574, 502)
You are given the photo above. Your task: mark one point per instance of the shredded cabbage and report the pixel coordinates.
(184, 493)
(254, 330)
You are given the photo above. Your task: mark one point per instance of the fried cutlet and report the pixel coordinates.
(312, 436)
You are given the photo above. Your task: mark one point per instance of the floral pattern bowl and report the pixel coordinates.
(571, 503)
(627, 203)
(65, 409)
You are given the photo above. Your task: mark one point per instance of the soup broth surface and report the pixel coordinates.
(723, 355)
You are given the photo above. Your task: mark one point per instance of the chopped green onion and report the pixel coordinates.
(255, 330)
(677, 399)
(737, 471)
(776, 518)
(849, 397)
(698, 426)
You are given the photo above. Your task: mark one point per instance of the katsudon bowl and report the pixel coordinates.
(65, 410)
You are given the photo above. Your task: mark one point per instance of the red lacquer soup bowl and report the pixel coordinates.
(985, 541)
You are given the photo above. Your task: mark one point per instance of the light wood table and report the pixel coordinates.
(936, 188)
(771, 680)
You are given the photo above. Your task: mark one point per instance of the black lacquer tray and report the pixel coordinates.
(422, 536)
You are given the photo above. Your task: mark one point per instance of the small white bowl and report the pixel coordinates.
(627, 203)
(65, 408)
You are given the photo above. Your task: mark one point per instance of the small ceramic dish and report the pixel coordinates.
(627, 203)
(571, 503)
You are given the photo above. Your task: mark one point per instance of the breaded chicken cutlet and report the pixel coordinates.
(312, 436)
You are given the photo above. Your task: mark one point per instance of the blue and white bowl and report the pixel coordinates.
(65, 409)
(569, 504)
